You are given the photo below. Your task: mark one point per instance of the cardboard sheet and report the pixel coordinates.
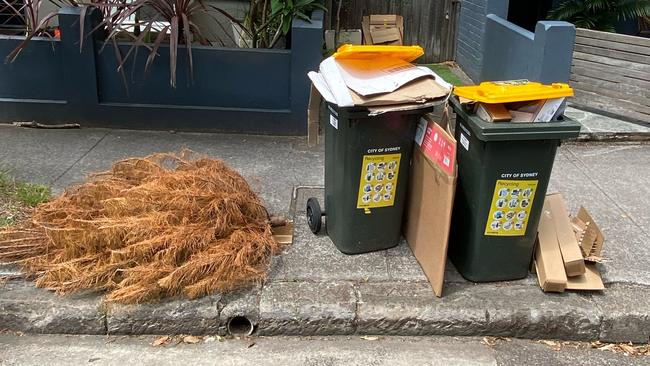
(548, 259)
(574, 263)
(428, 216)
(418, 91)
(589, 281)
(375, 111)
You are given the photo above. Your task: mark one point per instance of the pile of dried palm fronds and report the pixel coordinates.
(163, 225)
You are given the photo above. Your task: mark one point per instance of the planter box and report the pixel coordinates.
(237, 90)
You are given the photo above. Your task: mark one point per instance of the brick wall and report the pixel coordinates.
(471, 31)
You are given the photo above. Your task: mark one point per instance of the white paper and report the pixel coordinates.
(335, 82)
(549, 110)
(321, 86)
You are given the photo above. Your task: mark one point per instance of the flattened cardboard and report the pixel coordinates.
(418, 91)
(589, 281)
(574, 262)
(375, 111)
(548, 259)
(428, 216)
(381, 75)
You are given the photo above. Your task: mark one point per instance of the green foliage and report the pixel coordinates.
(32, 194)
(268, 20)
(28, 194)
(286, 10)
(600, 14)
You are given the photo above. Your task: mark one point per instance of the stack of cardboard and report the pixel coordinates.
(383, 29)
(382, 84)
(567, 249)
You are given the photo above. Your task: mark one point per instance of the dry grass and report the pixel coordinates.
(163, 225)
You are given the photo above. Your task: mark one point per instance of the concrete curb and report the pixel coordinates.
(347, 308)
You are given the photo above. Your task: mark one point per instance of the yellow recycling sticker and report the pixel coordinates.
(378, 181)
(510, 208)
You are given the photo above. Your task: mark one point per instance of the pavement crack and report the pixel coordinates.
(80, 158)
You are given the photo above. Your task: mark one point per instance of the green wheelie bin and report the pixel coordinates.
(367, 162)
(503, 174)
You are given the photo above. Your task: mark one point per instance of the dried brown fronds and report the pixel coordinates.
(152, 227)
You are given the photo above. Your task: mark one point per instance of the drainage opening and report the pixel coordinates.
(240, 325)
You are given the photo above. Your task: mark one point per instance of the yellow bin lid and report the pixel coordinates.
(493, 92)
(373, 52)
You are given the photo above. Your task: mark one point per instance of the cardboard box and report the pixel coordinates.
(574, 262)
(493, 112)
(429, 207)
(383, 29)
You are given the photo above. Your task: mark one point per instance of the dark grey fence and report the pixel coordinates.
(231, 90)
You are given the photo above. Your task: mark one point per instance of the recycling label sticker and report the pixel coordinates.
(378, 181)
(510, 208)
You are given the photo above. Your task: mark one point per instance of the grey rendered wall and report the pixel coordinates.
(511, 52)
(471, 31)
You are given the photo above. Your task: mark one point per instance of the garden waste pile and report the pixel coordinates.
(163, 225)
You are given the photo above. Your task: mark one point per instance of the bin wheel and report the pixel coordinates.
(314, 215)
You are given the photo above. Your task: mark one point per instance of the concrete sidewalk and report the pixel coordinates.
(315, 290)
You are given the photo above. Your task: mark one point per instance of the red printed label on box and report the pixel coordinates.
(439, 147)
